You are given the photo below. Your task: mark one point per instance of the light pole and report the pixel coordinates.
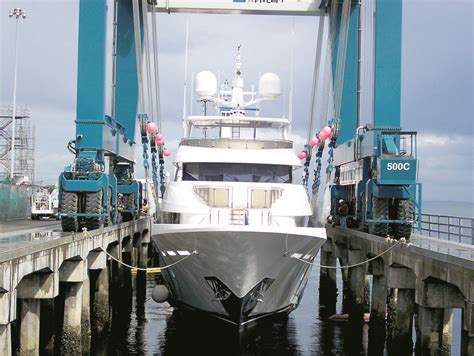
(15, 13)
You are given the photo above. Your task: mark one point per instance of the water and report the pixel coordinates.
(462, 209)
(157, 329)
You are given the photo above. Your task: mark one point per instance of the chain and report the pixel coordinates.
(305, 178)
(162, 174)
(154, 167)
(317, 170)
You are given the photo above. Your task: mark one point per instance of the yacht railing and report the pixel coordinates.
(228, 216)
(237, 143)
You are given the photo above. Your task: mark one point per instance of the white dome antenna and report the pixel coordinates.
(205, 84)
(269, 86)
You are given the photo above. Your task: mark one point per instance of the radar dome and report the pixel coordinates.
(205, 84)
(269, 86)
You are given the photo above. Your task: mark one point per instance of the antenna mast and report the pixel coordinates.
(185, 68)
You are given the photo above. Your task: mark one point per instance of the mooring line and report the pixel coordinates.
(401, 241)
(86, 233)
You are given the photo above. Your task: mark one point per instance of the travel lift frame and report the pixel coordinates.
(90, 195)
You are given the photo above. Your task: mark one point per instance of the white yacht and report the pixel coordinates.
(236, 233)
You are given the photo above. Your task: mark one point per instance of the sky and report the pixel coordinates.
(437, 77)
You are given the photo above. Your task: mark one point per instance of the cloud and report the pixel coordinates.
(446, 166)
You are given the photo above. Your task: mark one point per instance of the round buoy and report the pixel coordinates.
(324, 133)
(151, 127)
(160, 293)
(302, 155)
(314, 142)
(166, 153)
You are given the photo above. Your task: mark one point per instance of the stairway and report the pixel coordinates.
(237, 216)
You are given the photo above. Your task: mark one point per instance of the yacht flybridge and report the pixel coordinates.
(235, 244)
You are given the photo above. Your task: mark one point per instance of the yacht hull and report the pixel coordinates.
(238, 274)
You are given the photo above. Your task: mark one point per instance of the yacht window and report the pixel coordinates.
(237, 172)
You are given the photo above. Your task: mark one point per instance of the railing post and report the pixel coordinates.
(472, 231)
(439, 228)
(449, 228)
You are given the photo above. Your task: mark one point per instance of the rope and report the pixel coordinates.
(86, 233)
(356, 264)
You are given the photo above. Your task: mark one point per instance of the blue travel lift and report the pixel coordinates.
(102, 175)
(375, 164)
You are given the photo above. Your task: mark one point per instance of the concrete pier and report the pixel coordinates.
(424, 280)
(29, 327)
(86, 315)
(431, 328)
(327, 281)
(378, 305)
(48, 323)
(71, 340)
(356, 287)
(401, 341)
(141, 275)
(32, 275)
(101, 310)
(5, 340)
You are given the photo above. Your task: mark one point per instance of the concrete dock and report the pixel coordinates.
(36, 267)
(424, 280)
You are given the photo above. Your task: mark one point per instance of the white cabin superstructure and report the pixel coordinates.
(233, 164)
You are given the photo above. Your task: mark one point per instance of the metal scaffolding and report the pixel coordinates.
(24, 166)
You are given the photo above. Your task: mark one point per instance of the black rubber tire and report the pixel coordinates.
(380, 211)
(94, 206)
(404, 209)
(110, 217)
(69, 204)
(129, 203)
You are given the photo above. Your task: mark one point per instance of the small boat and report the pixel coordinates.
(233, 239)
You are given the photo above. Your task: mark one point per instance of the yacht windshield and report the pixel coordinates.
(237, 172)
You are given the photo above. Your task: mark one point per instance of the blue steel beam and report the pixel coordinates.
(388, 48)
(90, 112)
(95, 131)
(348, 115)
(126, 91)
(387, 71)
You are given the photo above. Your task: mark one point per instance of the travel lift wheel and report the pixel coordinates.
(93, 205)
(129, 203)
(380, 211)
(404, 211)
(109, 218)
(69, 204)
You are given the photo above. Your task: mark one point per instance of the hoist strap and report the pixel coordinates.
(317, 63)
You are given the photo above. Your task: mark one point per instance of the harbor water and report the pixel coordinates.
(148, 328)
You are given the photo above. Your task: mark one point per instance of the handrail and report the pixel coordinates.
(448, 227)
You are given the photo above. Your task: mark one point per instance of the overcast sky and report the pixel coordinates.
(437, 77)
